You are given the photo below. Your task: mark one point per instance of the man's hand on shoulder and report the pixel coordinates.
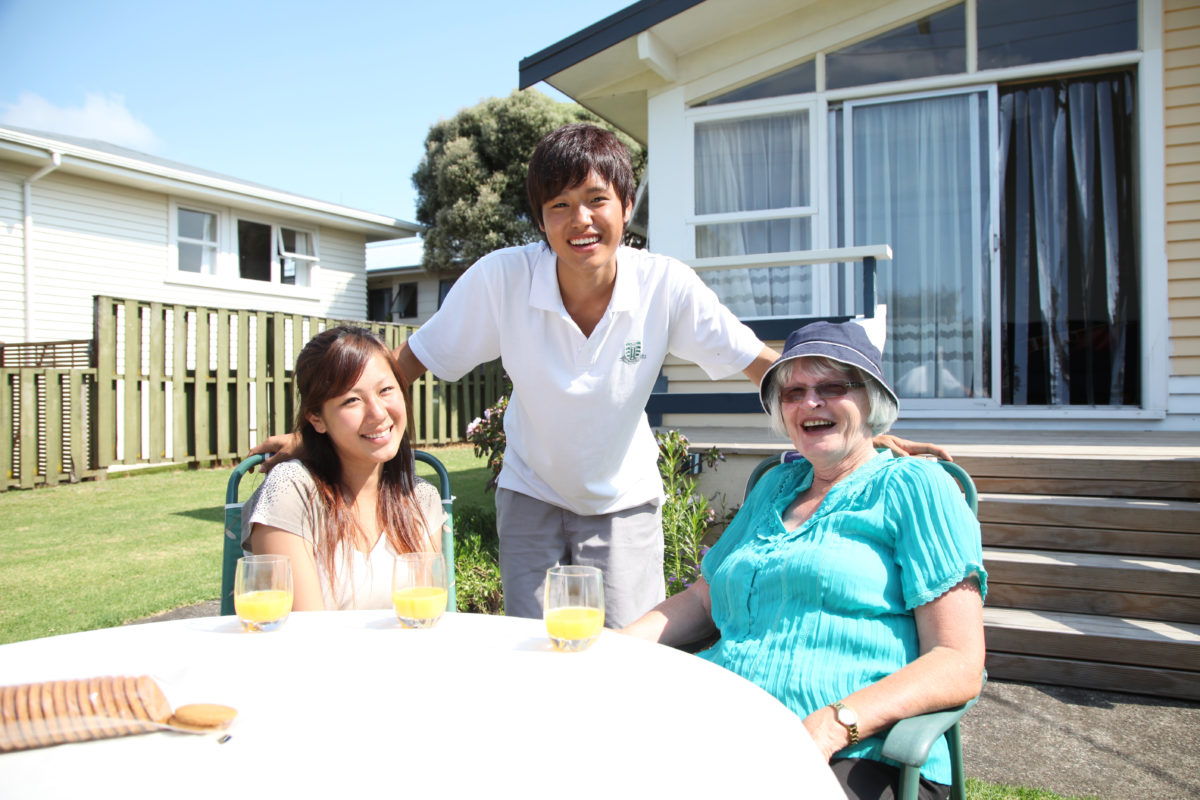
(905, 447)
(279, 448)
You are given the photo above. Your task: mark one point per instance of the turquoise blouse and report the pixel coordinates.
(814, 614)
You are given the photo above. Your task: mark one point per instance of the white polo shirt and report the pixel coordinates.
(575, 429)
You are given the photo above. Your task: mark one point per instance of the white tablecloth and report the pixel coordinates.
(348, 704)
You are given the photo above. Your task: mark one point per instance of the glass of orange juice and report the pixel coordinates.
(574, 606)
(262, 591)
(419, 589)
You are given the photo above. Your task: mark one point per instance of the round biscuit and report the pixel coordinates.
(71, 717)
(40, 735)
(89, 714)
(140, 720)
(59, 718)
(153, 699)
(124, 715)
(203, 716)
(50, 715)
(10, 732)
(21, 700)
(101, 698)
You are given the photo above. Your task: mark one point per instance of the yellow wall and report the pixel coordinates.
(1181, 53)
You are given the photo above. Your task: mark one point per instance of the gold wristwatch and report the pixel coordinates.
(847, 717)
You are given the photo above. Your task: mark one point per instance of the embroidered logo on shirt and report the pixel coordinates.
(633, 353)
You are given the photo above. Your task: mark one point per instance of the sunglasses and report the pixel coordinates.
(796, 394)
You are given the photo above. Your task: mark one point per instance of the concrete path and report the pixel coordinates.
(1073, 742)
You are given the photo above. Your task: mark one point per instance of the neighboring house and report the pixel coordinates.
(398, 287)
(80, 217)
(1033, 164)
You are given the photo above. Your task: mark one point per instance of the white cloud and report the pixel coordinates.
(102, 116)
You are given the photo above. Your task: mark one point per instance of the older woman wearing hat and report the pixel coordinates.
(850, 584)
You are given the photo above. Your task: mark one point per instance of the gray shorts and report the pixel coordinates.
(627, 545)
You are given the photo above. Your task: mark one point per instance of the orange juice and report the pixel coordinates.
(419, 606)
(262, 610)
(574, 623)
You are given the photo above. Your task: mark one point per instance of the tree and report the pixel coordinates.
(471, 182)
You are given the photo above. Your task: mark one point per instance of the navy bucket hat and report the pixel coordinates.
(845, 342)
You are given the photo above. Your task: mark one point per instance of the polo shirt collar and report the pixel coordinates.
(544, 293)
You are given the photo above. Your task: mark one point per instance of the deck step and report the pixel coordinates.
(1094, 571)
(1094, 651)
(1101, 476)
(1091, 540)
(1079, 600)
(1101, 512)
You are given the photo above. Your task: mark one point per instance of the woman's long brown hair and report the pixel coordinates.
(328, 366)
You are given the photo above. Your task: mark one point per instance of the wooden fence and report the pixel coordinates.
(176, 383)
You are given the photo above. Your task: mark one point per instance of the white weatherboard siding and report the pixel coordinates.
(92, 237)
(342, 278)
(12, 300)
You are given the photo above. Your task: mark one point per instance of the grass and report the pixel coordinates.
(101, 553)
(98, 554)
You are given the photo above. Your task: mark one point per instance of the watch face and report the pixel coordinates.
(847, 716)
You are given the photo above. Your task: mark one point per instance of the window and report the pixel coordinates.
(296, 254)
(379, 305)
(933, 45)
(1014, 32)
(916, 178)
(754, 193)
(800, 79)
(1012, 210)
(1069, 257)
(406, 300)
(197, 241)
(219, 243)
(444, 289)
(383, 302)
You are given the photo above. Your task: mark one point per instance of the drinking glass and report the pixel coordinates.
(574, 607)
(419, 589)
(262, 591)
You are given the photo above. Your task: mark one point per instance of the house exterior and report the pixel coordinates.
(398, 287)
(1034, 165)
(80, 218)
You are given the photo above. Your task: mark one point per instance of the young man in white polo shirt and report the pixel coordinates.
(582, 325)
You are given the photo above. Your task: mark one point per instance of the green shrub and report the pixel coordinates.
(687, 515)
(476, 561)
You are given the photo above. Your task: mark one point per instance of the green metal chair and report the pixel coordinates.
(910, 740)
(233, 526)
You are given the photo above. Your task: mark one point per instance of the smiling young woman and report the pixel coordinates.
(351, 503)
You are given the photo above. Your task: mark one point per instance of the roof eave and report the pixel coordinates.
(611, 30)
(129, 171)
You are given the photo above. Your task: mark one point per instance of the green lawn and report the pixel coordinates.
(100, 553)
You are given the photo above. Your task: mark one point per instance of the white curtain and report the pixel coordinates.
(919, 183)
(756, 164)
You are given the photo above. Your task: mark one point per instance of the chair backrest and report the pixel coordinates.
(958, 473)
(233, 526)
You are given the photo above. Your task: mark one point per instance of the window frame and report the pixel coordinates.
(227, 272)
(1146, 61)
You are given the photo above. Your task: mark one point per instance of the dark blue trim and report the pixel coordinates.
(705, 403)
(611, 30)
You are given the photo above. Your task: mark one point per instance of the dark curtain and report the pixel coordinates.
(1067, 245)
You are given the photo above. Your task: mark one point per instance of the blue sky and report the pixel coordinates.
(330, 100)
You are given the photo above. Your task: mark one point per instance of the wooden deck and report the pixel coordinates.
(1091, 543)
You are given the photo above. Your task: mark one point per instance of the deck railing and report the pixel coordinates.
(175, 383)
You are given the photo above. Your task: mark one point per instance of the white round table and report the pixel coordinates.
(349, 704)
